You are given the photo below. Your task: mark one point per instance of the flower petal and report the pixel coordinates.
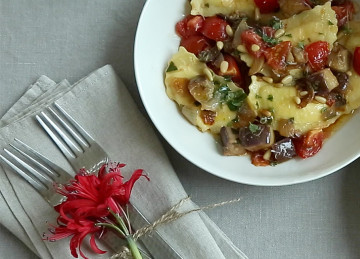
(94, 246)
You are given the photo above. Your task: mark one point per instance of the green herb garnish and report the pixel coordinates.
(270, 97)
(254, 128)
(258, 96)
(270, 40)
(288, 35)
(276, 23)
(291, 120)
(301, 45)
(207, 5)
(171, 67)
(330, 22)
(347, 30)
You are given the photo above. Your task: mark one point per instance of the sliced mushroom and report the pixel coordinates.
(256, 137)
(339, 58)
(299, 55)
(201, 89)
(306, 92)
(290, 8)
(231, 145)
(324, 80)
(286, 127)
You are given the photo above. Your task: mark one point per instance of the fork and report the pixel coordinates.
(37, 170)
(75, 143)
(81, 151)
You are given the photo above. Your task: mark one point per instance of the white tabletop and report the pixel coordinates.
(69, 39)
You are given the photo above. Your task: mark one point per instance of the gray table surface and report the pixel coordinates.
(69, 39)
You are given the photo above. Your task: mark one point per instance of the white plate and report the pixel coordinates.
(155, 43)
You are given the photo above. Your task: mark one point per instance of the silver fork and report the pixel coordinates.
(81, 151)
(36, 169)
(75, 143)
(42, 174)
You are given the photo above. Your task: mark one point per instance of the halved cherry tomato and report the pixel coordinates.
(189, 26)
(267, 6)
(276, 56)
(249, 38)
(344, 12)
(195, 44)
(214, 28)
(233, 69)
(317, 54)
(309, 144)
(356, 60)
(257, 159)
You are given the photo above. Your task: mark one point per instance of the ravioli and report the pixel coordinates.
(317, 24)
(188, 66)
(280, 101)
(213, 7)
(351, 41)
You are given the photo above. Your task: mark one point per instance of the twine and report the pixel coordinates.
(169, 216)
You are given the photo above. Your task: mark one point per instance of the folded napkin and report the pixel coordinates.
(102, 105)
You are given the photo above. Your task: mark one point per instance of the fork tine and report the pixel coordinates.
(64, 149)
(76, 125)
(42, 177)
(39, 186)
(81, 140)
(49, 166)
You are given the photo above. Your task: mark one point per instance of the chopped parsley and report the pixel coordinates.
(171, 67)
(234, 100)
(254, 128)
(227, 78)
(207, 5)
(258, 96)
(301, 45)
(288, 35)
(323, 109)
(270, 97)
(276, 23)
(330, 22)
(270, 40)
(291, 120)
(347, 30)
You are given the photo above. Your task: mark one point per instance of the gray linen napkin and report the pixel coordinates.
(101, 103)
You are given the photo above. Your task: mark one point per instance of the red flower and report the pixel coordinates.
(79, 230)
(89, 200)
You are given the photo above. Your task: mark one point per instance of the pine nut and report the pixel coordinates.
(257, 14)
(266, 112)
(279, 33)
(279, 85)
(297, 100)
(208, 74)
(229, 30)
(224, 65)
(349, 73)
(255, 47)
(241, 48)
(267, 155)
(320, 99)
(268, 79)
(220, 45)
(303, 93)
(287, 79)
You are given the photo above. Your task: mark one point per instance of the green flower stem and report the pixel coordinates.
(133, 247)
(111, 226)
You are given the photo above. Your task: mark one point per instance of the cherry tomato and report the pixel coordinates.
(344, 12)
(195, 44)
(267, 6)
(214, 28)
(189, 26)
(257, 158)
(356, 60)
(317, 54)
(233, 69)
(276, 56)
(309, 144)
(249, 38)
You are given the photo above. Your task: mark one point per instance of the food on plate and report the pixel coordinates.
(267, 78)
